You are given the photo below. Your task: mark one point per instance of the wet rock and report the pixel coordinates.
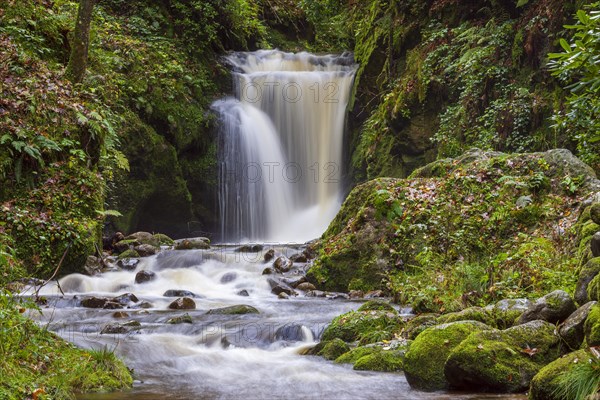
(425, 360)
(143, 238)
(306, 286)
(128, 264)
(418, 324)
(243, 293)
(333, 349)
(94, 302)
(299, 258)
(229, 277)
(199, 243)
(120, 314)
(373, 294)
(126, 299)
(295, 282)
(502, 361)
(355, 325)
(163, 240)
(316, 293)
(179, 293)
(290, 333)
(595, 213)
(283, 296)
(269, 255)
(144, 305)
(250, 248)
(93, 265)
(119, 329)
(571, 331)
(234, 310)
(146, 250)
(337, 296)
(268, 271)
(356, 294)
(183, 303)
(595, 245)
(589, 271)
(144, 276)
(182, 319)
(506, 312)
(125, 244)
(553, 307)
(282, 264)
(280, 287)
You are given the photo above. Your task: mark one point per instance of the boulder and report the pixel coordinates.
(306, 286)
(144, 276)
(268, 271)
(295, 282)
(143, 238)
(183, 303)
(243, 293)
(129, 253)
(554, 307)
(502, 361)
(571, 331)
(356, 294)
(146, 250)
(595, 213)
(425, 360)
(290, 332)
(283, 296)
(234, 310)
(506, 312)
(299, 258)
(250, 248)
(382, 361)
(128, 264)
(199, 243)
(120, 314)
(333, 349)
(93, 265)
(119, 329)
(269, 255)
(280, 287)
(469, 314)
(373, 294)
(593, 289)
(126, 299)
(95, 302)
(418, 324)
(547, 383)
(125, 244)
(589, 271)
(356, 354)
(591, 327)
(355, 325)
(179, 293)
(182, 319)
(595, 245)
(282, 264)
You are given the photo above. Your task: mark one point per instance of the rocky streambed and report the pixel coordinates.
(211, 323)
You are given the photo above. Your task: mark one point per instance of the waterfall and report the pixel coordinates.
(281, 145)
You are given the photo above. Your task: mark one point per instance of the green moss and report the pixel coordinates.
(588, 229)
(593, 289)
(425, 360)
(595, 213)
(130, 253)
(502, 361)
(355, 354)
(469, 314)
(384, 361)
(163, 240)
(333, 349)
(592, 327)
(355, 325)
(377, 305)
(418, 324)
(548, 381)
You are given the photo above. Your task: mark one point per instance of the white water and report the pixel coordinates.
(281, 146)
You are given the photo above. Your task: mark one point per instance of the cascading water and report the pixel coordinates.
(281, 146)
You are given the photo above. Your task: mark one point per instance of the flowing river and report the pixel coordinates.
(252, 356)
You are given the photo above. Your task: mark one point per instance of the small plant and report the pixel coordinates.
(581, 382)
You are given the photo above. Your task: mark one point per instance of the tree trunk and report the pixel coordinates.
(81, 40)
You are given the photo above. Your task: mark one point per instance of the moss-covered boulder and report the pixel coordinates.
(469, 314)
(355, 325)
(234, 310)
(502, 361)
(587, 274)
(507, 312)
(593, 289)
(425, 360)
(356, 353)
(383, 361)
(410, 237)
(572, 330)
(418, 324)
(548, 382)
(332, 349)
(553, 307)
(592, 327)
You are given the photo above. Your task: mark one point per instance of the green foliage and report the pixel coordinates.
(35, 360)
(581, 382)
(578, 67)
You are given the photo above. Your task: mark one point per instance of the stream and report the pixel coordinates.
(252, 356)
